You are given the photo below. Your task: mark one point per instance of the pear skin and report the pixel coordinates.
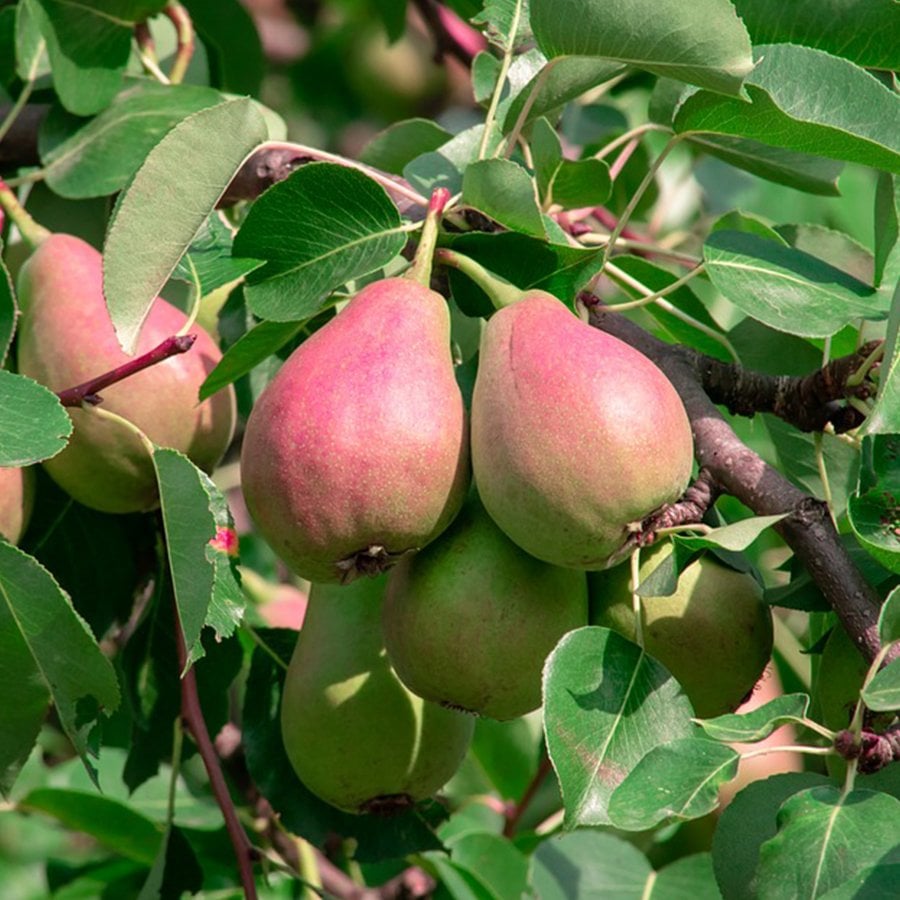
(16, 502)
(714, 634)
(469, 621)
(575, 435)
(356, 737)
(357, 451)
(66, 338)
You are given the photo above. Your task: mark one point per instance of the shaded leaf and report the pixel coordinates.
(866, 32)
(33, 423)
(175, 870)
(737, 536)
(399, 144)
(606, 704)
(445, 166)
(887, 230)
(323, 226)
(885, 416)
(494, 862)
(504, 191)
(48, 653)
(882, 693)
(703, 43)
(874, 510)
(149, 232)
(889, 618)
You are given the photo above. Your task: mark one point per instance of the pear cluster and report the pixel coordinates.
(357, 461)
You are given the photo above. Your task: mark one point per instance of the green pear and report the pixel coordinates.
(357, 737)
(66, 338)
(357, 451)
(576, 436)
(16, 501)
(714, 634)
(469, 620)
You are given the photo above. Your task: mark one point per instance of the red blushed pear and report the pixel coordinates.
(576, 436)
(66, 338)
(16, 501)
(357, 451)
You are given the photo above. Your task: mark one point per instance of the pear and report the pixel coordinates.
(356, 737)
(16, 501)
(66, 338)
(575, 435)
(469, 621)
(714, 634)
(357, 451)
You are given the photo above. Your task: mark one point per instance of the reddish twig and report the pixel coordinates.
(192, 714)
(517, 810)
(452, 36)
(609, 220)
(184, 31)
(88, 391)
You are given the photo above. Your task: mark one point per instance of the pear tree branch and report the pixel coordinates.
(807, 527)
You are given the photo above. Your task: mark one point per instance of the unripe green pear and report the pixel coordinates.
(469, 621)
(66, 338)
(357, 737)
(714, 634)
(16, 501)
(357, 452)
(575, 435)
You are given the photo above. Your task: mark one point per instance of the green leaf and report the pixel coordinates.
(323, 226)
(759, 723)
(802, 171)
(688, 878)
(785, 113)
(115, 825)
(785, 288)
(838, 248)
(591, 865)
(606, 704)
(885, 416)
(47, 652)
(582, 182)
(874, 510)
(558, 81)
(887, 230)
(889, 618)
(254, 347)
(494, 862)
(737, 536)
(747, 822)
(200, 542)
(506, 22)
(485, 72)
(97, 157)
(504, 191)
(300, 811)
(209, 260)
(236, 59)
(88, 43)
(825, 838)
(703, 43)
(445, 166)
(866, 32)
(398, 145)
(9, 310)
(507, 752)
(678, 780)
(33, 423)
(878, 882)
(149, 232)
(459, 883)
(525, 261)
(31, 48)
(882, 693)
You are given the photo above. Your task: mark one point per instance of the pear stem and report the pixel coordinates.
(33, 233)
(420, 270)
(500, 291)
(87, 392)
(184, 29)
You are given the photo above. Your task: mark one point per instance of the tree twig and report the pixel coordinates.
(192, 714)
(517, 810)
(741, 472)
(452, 36)
(88, 391)
(693, 505)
